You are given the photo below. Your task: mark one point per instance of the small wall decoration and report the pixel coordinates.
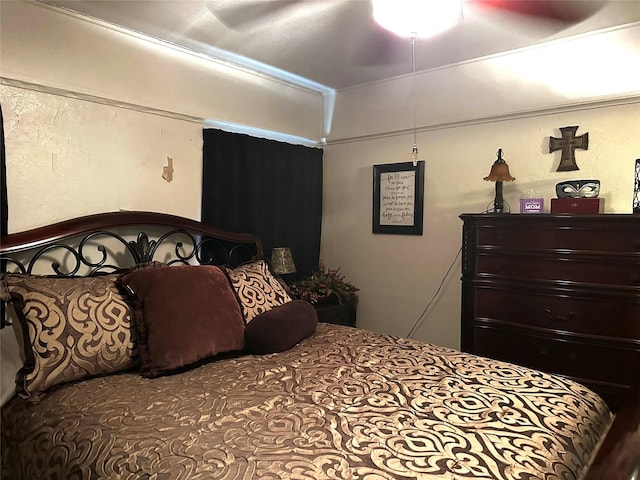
(167, 171)
(398, 197)
(568, 143)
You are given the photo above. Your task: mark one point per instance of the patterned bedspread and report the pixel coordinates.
(342, 404)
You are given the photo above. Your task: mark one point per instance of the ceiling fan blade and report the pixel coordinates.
(568, 12)
(244, 15)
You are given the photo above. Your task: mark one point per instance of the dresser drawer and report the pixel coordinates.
(552, 236)
(563, 310)
(570, 356)
(560, 293)
(623, 271)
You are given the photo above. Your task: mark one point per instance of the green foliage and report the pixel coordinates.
(324, 286)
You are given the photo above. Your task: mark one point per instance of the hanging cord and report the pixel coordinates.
(491, 209)
(414, 150)
(420, 319)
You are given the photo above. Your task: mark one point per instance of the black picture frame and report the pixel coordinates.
(398, 198)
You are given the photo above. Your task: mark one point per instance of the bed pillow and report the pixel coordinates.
(183, 314)
(281, 328)
(11, 360)
(257, 288)
(71, 327)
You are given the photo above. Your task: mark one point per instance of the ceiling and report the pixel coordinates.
(336, 43)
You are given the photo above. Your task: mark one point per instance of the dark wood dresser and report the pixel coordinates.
(559, 293)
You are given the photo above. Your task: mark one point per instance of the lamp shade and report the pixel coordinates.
(499, 171)
(282, 261)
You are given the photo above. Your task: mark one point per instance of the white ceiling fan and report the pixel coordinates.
(375, 47)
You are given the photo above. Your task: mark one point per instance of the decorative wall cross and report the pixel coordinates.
(568, 143)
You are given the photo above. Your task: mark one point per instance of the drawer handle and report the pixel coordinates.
(559, 318)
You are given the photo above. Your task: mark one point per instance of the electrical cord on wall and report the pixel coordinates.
(420, 319)
(492, 210)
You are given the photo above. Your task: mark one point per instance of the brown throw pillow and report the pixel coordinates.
(281, 328)
(183, 314)
(71, 327)
(257, 288)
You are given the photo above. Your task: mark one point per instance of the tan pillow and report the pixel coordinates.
(72, 328)
(257, 288)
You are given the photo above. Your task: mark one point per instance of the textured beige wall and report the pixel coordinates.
(69, 157)
(555, 75)
(92, 113)
(398, 275)
(48, 47)
(464, 114)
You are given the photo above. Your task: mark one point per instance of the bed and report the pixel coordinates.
(155, 347)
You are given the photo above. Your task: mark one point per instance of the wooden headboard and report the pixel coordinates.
(108, 241)
(105, 242)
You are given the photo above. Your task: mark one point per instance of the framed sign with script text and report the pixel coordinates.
(398, 198)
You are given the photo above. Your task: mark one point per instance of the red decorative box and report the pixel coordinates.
(577, 205)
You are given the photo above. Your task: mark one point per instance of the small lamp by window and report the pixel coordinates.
(282, 261)
(499, 173)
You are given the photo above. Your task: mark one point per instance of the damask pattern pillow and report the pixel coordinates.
(72, 328)
(258, 290)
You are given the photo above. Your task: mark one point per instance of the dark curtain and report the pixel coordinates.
(266, 187)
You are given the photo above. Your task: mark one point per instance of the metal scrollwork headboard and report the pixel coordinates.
(107, 242)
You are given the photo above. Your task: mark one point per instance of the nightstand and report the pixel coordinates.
(338, 314)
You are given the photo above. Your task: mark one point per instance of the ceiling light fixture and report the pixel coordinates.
(417, 18)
